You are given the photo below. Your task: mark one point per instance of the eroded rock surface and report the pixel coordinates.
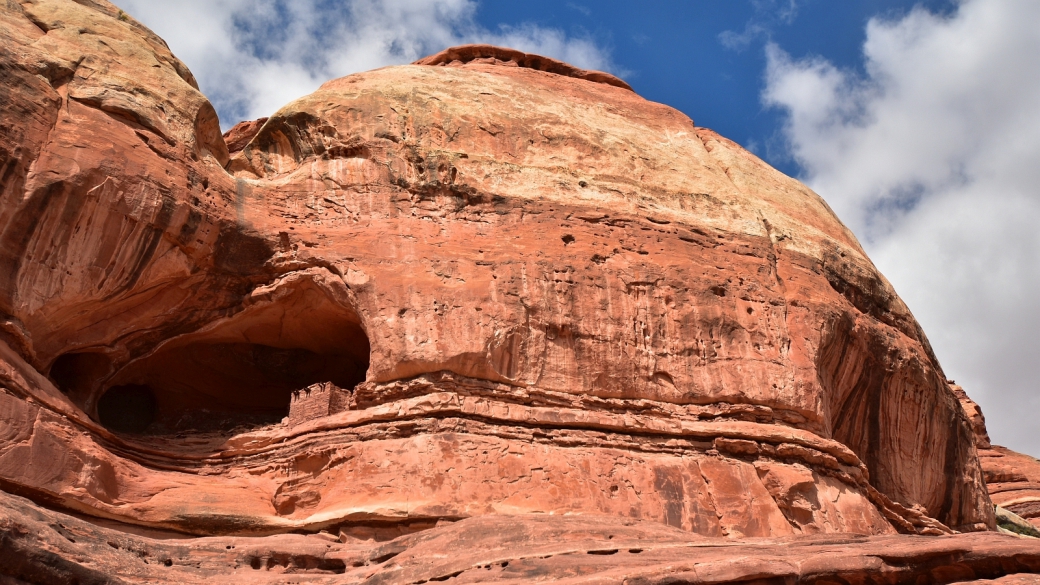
(1012, 479)
(486, 284)
(41, 546)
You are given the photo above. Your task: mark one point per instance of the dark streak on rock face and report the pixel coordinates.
(669, 485)
(16, 235)
(241, 253)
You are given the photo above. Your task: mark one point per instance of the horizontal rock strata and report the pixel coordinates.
(49, 547)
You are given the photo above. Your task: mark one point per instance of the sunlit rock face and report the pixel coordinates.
(486, 283)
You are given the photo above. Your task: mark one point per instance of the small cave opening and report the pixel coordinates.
(241, 372)
(129, 408)
(76, 373)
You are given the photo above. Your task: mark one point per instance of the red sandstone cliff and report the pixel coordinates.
(542, 294)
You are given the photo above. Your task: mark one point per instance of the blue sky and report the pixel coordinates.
(707, 57)
(917, 121)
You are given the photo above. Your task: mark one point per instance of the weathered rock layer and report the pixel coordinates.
(41, 546)
(487, 283)
(1012, 479)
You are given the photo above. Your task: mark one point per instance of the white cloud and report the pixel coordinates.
(932, 156)
(253, 56)
(768, 15)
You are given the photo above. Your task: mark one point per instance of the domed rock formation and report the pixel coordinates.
(489, 284)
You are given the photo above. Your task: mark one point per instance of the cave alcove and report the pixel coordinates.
(236, 373)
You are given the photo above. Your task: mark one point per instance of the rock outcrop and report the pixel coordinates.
(41, 546)
(496, 285)
(240, 134)
(1012, 479)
